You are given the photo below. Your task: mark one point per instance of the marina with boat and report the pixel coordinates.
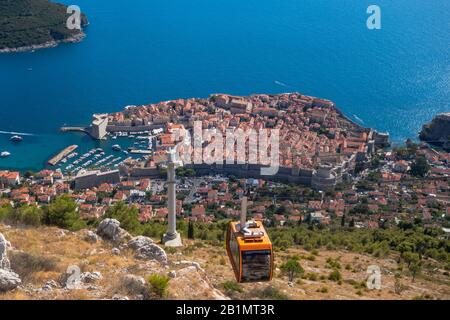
(61, 155)
(112, 151)
(110, 145)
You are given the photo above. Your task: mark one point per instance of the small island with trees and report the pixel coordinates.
(27, 25)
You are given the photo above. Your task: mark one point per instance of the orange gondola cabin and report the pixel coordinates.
(249, 250)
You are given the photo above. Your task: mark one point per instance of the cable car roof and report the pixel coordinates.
(252, 242)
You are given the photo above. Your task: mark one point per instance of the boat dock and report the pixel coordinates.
(75, 129)
(137, 151)
(61, 155)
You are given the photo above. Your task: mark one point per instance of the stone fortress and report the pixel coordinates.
(320, 147)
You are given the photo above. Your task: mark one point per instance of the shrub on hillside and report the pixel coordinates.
(158, 285)
(62, 212)
(292, 268)
(26, 265)
(232, 286)
(272, 293)
(27, 215)
(31, 215)
(8, 215)
(154, 229)
(323, 290)
(127, 215)
(335, 276)
(4, 210)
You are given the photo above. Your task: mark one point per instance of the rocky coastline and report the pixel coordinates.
(49, 44)
(437, 132)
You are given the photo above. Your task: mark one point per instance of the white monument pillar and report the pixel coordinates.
(243, 220)
(172, 237)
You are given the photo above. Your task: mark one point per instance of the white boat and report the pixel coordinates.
(5, 154)
(116, 147)
(16, 138)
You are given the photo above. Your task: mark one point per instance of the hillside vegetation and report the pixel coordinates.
(201, 270)
(311, 262)
(26, 23)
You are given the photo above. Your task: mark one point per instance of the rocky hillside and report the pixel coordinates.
(50, 263)
(437, 132)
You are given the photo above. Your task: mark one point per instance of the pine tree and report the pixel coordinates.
(343, 220)
(352, 223)
(191, 230)
(292, 268)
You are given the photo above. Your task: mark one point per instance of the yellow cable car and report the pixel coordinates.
(249, 249)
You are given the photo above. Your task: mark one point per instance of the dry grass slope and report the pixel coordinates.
(43, 254)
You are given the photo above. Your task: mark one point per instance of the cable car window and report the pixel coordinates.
(234, 249)
(256, 265)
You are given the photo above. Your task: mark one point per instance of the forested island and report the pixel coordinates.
(33, 24)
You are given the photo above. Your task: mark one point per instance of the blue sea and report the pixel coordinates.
(142, 51)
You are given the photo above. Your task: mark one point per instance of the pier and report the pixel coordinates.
(75, 129)
(61, 155)
(138, 151)
(96, 130)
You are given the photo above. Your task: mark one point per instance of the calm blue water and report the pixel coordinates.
(143, 51)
